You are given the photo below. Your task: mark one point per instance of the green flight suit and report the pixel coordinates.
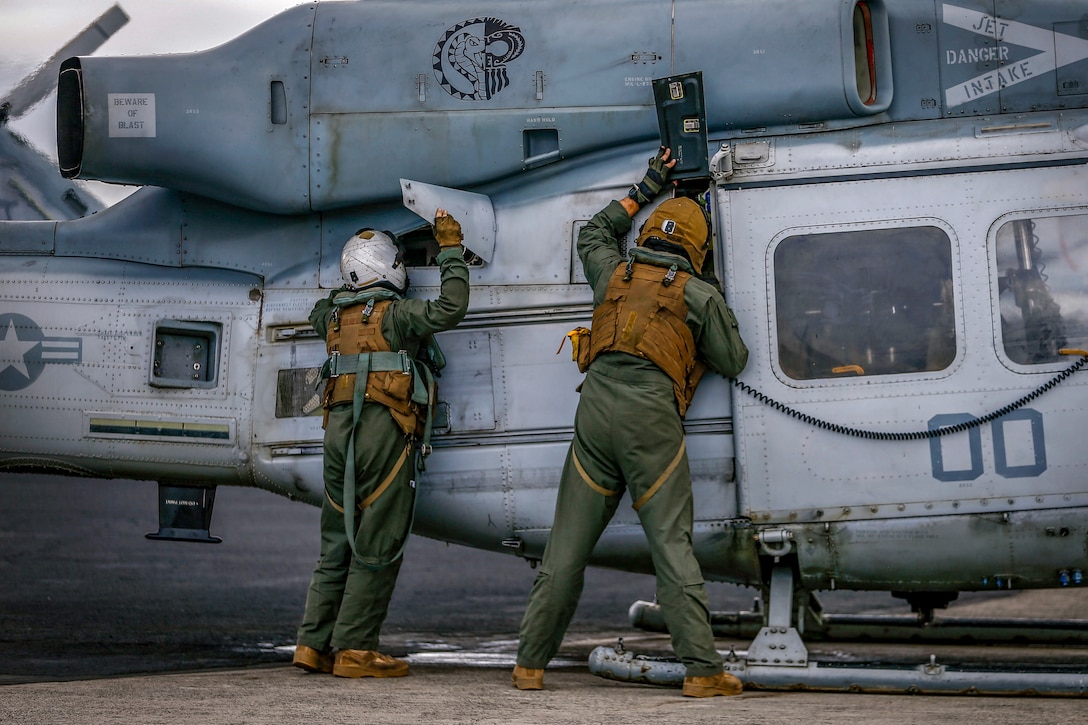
(628, 434)
(349, 596)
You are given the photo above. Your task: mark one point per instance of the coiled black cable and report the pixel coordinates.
(913, 435)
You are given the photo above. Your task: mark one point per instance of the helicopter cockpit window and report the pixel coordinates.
(872, 302)
(1042, 265)
(421, 250)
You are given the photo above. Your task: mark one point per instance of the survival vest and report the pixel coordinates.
(643, 315)
(393, 379)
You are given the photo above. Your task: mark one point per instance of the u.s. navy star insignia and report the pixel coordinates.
(25, 351)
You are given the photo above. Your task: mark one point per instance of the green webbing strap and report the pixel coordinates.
(377, 492)
(423, 386)
(362, 369)
(374, 497)
(338, 364)
(424, 392)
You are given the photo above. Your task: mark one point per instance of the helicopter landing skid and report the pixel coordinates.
(778, 659)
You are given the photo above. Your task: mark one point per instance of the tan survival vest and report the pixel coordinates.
(643, 315)
(360, 331)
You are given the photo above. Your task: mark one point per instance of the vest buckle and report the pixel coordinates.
(670, 276)
(334, 364)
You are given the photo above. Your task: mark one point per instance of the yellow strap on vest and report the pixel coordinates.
(388, 479)
(662, 478)
(369, 500)
(589, 481)
(335, 505)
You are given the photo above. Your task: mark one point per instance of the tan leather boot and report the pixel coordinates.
(528, 679)
(722, 683)
(367, 663)
(309, 659)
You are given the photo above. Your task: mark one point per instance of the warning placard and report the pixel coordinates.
(132, 114)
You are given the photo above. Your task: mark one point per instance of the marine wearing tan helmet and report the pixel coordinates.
(656, 326)
(679, 221)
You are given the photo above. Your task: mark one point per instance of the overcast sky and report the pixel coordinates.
(31, 31)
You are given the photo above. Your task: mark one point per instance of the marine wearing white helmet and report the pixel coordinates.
(379, 388)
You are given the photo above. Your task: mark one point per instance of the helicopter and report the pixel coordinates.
(899, 206)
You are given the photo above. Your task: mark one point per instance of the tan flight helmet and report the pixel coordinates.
(679, 221)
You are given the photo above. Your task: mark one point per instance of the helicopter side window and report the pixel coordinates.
(421, 250)
(872, 302)
(1042, 295)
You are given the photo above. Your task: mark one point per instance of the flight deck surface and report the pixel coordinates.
(105, 626)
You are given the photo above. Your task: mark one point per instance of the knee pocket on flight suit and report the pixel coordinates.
(379, 551)
(560, 582)
(382, 534)
(695, 589)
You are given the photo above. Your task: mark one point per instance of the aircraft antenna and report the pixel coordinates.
(672, 40)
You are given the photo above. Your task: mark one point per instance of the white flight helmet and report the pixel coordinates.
(373, 258)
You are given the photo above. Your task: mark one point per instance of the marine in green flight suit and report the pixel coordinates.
(628, 431)
(375, 414)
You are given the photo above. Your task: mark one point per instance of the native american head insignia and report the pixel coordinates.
(470, 60)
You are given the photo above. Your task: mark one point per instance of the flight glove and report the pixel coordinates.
(647, 190)
(447, 232)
